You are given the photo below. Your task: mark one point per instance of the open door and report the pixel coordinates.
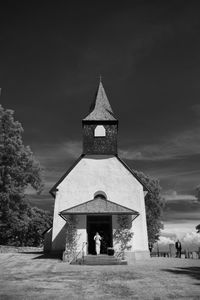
(102, 225)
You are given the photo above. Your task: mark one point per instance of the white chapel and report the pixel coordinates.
(98, 188)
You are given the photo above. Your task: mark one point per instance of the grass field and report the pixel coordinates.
(31, 276)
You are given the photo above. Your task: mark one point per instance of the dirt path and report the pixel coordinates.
(30, 276)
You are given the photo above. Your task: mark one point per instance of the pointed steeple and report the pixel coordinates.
(100, 109)
(100, 127)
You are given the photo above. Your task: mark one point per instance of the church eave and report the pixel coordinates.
(98, 206)
(134, 174)
(54, 188)
(100, 122)
(99, 117)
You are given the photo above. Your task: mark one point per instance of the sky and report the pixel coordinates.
(148, 54)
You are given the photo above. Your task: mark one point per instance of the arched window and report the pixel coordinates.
(100, 131)
(100, 194)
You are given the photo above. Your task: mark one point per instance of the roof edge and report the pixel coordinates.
(54, 188)
(100, 94)
(134, 174)
(75, 206)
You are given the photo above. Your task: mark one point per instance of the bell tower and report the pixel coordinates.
(100, 127)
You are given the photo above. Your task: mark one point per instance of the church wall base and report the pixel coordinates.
(132, 257)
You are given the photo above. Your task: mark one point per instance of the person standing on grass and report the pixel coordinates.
(178, 249)
(97, 239)
(150, 247)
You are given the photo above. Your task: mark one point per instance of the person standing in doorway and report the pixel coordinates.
(178, 249)
(97, 239)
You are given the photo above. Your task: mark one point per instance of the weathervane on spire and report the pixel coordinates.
(100, 78)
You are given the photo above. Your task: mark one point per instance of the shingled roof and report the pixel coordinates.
(100, 109)
(99, 206)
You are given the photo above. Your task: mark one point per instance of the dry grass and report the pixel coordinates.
(28, 276)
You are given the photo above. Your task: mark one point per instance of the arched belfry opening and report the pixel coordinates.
(99, 131)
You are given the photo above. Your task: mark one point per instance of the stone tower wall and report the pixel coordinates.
(100, 145)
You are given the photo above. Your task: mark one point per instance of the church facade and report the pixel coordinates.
(99, 188)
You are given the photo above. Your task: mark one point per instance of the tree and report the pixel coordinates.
(18, 170)
(123, 235)
(198, 228)
(197, 192)
(154, 205)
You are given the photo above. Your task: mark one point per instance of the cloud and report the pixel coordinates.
(184, 143)
(191, 239)
(48, 153)
(176, 145)
(179, 228)
(172, 195)
(131, 154)
(56, 159)
(182, 213)
(169, 235)
(196, 109)
(164, 240)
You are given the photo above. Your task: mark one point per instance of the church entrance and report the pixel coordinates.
(102, 225)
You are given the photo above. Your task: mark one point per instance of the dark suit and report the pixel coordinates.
(178, 249)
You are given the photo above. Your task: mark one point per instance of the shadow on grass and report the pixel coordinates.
(31, 252)
(49, 256)
(193, 272)
(43, 255)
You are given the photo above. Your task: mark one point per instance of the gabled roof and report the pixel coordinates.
(99, 206)
(100, 109)
(134, 174)
(54, 188)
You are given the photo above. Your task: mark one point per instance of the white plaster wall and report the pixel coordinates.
(58, 241)
(58, 237)
(139, 229)
(81, 232)
(101, 173)
(47, 240)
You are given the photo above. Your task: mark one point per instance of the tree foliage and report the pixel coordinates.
(198, 228)
(154, 205)
(197, 192)
(19, 223)
(123, 235)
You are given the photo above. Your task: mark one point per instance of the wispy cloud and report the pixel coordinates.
(56, 159)
(165, 240)
(179, 228)
(189, 240)
(48, 153)
(184, 143)
(172, 195)
(173, 146)
(196, 109)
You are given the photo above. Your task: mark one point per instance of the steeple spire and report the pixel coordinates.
(100, 109)
(100, 127)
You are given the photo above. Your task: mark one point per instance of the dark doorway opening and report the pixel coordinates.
(102, 225)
